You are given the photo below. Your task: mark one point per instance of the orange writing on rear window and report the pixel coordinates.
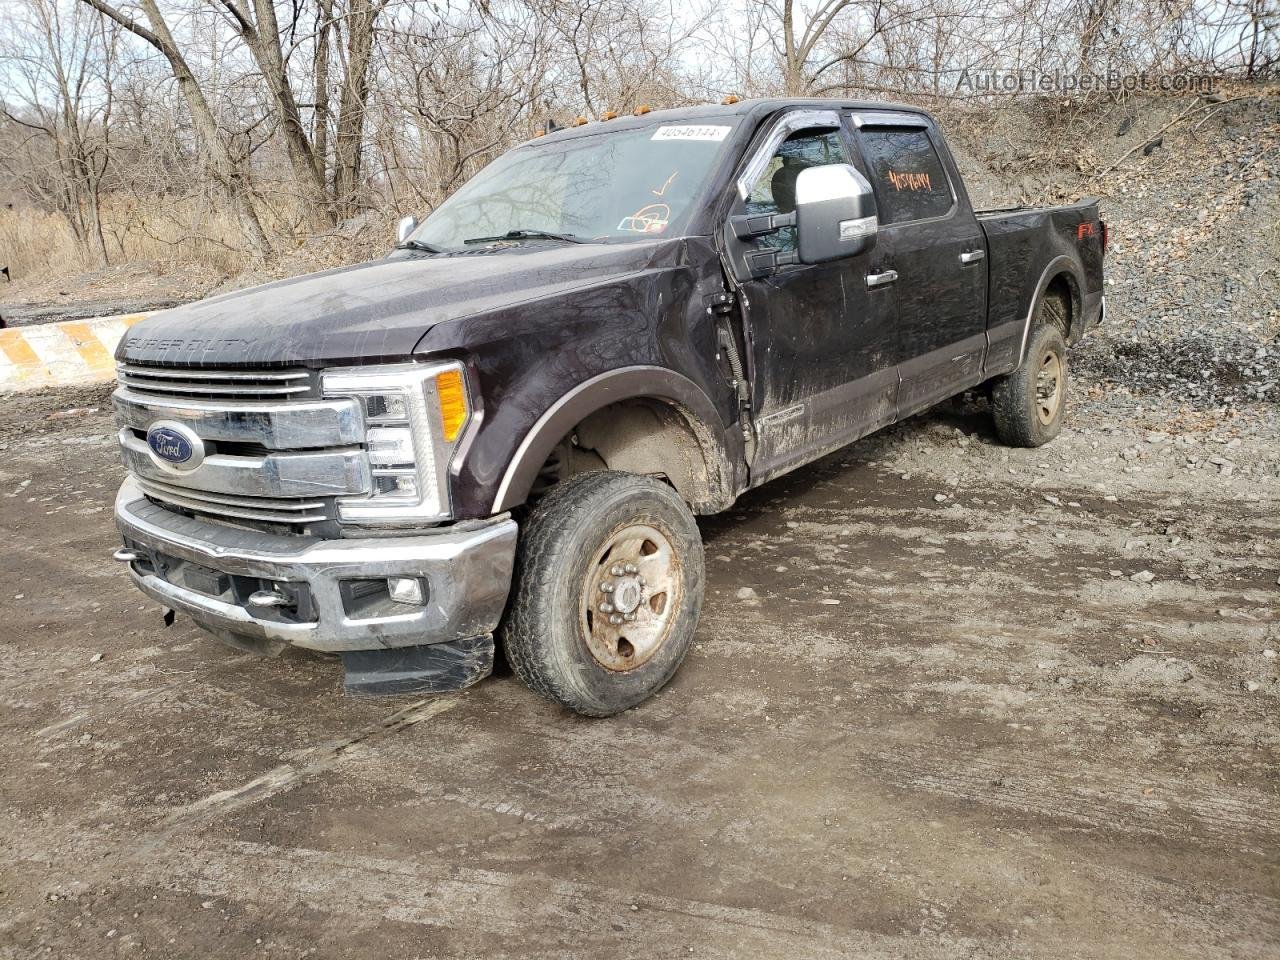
(910, 181)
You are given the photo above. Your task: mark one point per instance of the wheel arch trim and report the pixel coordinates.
(612, 386)
(1061, 265)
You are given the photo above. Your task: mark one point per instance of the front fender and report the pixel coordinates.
(625, 383)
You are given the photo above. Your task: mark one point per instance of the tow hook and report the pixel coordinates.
(268, 598)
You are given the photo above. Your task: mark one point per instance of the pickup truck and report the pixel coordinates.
(501, 432)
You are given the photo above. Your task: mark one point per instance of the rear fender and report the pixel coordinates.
(1060, 265)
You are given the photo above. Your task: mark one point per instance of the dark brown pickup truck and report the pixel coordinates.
(507, 425)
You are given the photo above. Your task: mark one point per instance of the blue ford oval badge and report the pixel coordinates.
(175, 445)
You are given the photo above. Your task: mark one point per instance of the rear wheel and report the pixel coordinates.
(1029, 404)
(608, 589)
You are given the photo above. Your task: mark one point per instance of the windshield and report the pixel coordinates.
(615, 186)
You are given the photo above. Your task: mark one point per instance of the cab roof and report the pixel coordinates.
(708, 112)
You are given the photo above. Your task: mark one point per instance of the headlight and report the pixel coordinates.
(415, 415)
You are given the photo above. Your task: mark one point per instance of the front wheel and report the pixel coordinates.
(1028, 405)
(608, 588)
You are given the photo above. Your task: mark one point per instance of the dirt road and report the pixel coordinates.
(929, 714)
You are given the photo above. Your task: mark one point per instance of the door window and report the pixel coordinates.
(775, 191)
(909, 179)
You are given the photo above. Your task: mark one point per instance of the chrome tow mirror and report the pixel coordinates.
(405, 228)
(835, 213)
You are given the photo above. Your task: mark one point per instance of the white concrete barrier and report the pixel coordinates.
(61, 354)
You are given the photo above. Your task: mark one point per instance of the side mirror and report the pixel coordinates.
(835, 213)
(405, 227)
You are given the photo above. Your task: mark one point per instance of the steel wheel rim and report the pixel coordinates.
(1050, 384)
(631, 596)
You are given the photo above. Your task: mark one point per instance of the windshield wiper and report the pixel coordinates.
(419, 245)
(528, 235)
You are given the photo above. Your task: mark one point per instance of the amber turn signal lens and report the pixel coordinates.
(730, 100)
(642, 109)
(453, 403)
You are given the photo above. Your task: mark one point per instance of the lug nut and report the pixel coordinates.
(606, 607)
(615, 619)
(631, 568)
(606, 587)
(617, 570)
(629, 617)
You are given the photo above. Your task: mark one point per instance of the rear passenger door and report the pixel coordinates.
(931, 240)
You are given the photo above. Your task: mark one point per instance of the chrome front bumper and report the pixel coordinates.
(206, 570)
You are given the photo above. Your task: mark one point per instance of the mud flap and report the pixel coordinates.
(436, 668)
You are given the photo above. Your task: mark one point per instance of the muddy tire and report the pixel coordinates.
(1029, 404)
(607, 592)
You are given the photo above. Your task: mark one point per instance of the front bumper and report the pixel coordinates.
(208, 570)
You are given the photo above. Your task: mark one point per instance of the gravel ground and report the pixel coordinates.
(124, 288)
(947, 700)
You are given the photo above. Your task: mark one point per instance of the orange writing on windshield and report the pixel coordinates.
(910, 181)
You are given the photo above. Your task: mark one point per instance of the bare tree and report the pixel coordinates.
(230, 172)
(60, 99)
(249, 125)
(256, 23)
(455, 91)
(361, 18)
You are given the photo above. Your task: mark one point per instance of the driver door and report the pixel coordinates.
(821, 338)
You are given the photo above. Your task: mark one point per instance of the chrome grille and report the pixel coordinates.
(201, 383)
(273, 510)
(275, 452)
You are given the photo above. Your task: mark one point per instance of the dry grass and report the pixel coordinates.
(38, 245)
(186, 230)
(33, 243)
(39, 248)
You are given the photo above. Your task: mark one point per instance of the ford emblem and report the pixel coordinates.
(175, 445)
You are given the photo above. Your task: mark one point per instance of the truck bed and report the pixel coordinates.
(1022, 244)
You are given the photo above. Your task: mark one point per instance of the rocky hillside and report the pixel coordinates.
(1191, 190)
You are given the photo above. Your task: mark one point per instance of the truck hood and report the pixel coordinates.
(373, 311)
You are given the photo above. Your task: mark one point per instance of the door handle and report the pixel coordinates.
(881, 279)
(972, 256)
